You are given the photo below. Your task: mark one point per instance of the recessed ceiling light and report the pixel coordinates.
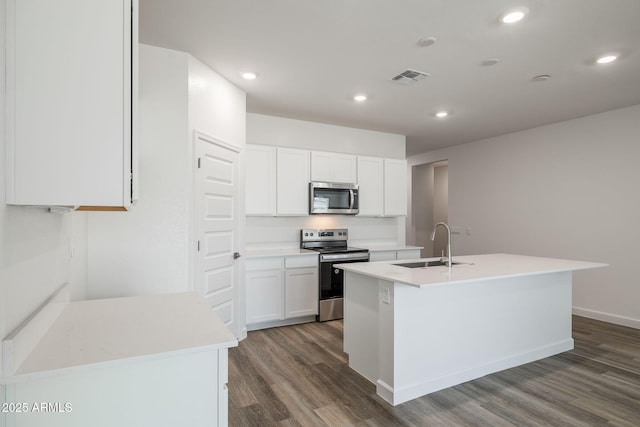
(605, 59)
(360, 98)
(513, 16)
(442, 114)
(250, 75)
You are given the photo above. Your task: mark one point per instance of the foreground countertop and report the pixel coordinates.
(106, 331)
(472, 268)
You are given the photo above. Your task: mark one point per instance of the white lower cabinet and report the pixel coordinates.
(281, 290)
(264, 296)
(301, 292)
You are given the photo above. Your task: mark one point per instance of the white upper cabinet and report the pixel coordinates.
(395, 187)
(370, 186)
(71, 102)
(260, 181)
(333, 167)
(292, 182)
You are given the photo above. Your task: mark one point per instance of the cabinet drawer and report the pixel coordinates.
(268, 263)
(382, 255)
(409, 254)
(301, 261)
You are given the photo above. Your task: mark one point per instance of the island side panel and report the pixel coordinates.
(361, 324)
(175, 390)
(446, 335)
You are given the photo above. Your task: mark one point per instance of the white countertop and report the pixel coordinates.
(391, 248)
(96, 332)
(474, 268)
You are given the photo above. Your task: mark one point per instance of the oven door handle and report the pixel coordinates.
(343, 257)
(352, 199)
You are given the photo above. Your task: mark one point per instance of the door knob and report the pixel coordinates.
(236, 255)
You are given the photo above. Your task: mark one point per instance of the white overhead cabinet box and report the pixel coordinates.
(71, 102)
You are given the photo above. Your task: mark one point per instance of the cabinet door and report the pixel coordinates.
(395, 187)
(260, 180)
(292, 182)
(70, 92)
(264, 296)
(321, 166)
(333, 167)
(301, 292)
(344, 168)
(371, 185)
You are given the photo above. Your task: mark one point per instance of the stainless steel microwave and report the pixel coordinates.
(333, 198)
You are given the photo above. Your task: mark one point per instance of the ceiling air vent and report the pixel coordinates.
(409, 76)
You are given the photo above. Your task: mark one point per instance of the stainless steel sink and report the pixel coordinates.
(422, 264)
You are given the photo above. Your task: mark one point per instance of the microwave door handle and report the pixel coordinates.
(352, 199)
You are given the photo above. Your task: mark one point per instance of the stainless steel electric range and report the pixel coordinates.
(333, 248)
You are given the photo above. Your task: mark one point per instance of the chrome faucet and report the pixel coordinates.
(449, 261)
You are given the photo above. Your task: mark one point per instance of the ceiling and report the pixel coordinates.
(313, 56)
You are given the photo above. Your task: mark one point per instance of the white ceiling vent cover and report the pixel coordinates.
(409, 76)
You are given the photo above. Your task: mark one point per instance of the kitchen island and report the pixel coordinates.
(148, 360)
(413, 330)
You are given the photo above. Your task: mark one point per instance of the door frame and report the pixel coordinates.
(239, 274)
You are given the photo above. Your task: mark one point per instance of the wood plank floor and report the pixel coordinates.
(298, 376)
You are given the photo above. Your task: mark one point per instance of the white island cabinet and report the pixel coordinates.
(155, 360)
(413, 331)
(71, 102)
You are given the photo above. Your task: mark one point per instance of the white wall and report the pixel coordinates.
(421, 209)
(38, 250)
(567, 190)
(145, 250)
(150, 248)
(284, 232)
(270, 130)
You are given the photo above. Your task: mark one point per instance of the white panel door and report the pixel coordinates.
(217, 224)
(301, 292)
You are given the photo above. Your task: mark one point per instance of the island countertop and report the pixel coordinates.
(471, 268)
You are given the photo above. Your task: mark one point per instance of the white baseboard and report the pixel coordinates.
(421, 387)
(607, 317)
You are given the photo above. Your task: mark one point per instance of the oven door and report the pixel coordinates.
(331, 278)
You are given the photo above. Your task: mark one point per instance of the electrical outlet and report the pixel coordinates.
(386, 296)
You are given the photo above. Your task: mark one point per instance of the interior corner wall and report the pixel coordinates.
(214, 104)
(149, 249)
(145, 250)
(566, 190)
(421, 208)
